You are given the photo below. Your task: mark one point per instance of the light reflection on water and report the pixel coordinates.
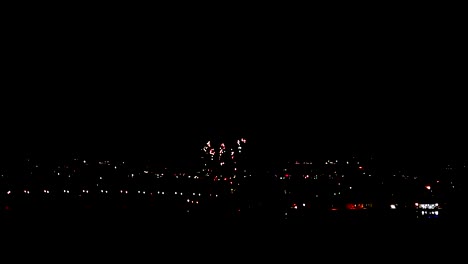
(427, 214)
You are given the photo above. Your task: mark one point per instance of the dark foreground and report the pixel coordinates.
(127, 234)
(158, 218)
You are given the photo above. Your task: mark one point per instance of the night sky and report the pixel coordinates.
(296, 92)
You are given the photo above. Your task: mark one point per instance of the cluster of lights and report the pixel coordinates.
(121, 191)
(220, 151)
(427, 206)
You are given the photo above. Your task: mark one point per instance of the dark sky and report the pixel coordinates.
(324, 88)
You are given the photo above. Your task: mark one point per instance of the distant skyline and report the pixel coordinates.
(179, 140)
